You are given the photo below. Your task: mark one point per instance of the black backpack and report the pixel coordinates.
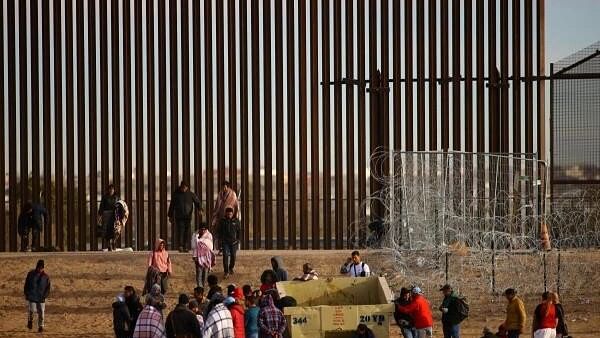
(462, 308)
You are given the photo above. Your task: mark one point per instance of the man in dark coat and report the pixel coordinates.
(36, 290)
(133, 304)
(182, 322)
(229, 234)
(106, 216)
(32, 218)
(122, 321)
(180, 212)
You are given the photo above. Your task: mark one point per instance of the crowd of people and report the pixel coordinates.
(414, 316)
(246, 312)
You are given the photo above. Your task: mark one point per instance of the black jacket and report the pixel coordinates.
(107, 203)
(183, 204)
(229, 230)
(182, 322)
(37, 286)
(402, 319)
(122, 321)
(135, 307)
(452, 317)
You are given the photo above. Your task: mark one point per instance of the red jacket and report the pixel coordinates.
(237, 315)
(419, 310)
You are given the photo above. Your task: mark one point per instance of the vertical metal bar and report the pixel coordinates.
(504, 77)
(185, 91)
(302, 126)
(326, 70)
(516, 84)
(232, 71)
(337, 107)
(81, 129)
(104, 141)
(208, 105)
(397, 59)
(140, 240)
(197, 92)
(541, 71)
(432, 49)
(528, 21)
(420, 75)
(350, 129)
(494, 133)
(2, 135)
(35, 103)
(267, 111)
(385, 55)
(362, 162)
(291, 127)
(70, 117)
(47, 122)
(256, 181)
(116, 110)
(58, 129)
(23, 95)
(468, 51)
(243, 14)
(314, 119)
(139, 129)
(174, 92)
(162, 120)
(279, 181)
(220, 40)
(12, 120)
(444, 60)
(456, 95)
(408, 74)
(93, 127)
(479, 56)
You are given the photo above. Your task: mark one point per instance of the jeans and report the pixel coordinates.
(201, 274)
(35, 240)
(164, 282)
(409, 332)
(424, 333)
(513, 334)
(40, 308)
(182, 229)
(229, 251)
(452, 331)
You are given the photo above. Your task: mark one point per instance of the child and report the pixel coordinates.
(195, 308)
(213, 283)
(251, 317)
(268, 280)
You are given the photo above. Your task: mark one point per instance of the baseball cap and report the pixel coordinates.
(416, 290)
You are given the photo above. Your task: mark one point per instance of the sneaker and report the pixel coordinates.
(30, 325)
(226, 275)
(41, 329)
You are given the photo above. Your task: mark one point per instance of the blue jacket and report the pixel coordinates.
(37, 286)
(251, 320)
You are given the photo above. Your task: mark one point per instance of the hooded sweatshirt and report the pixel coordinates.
(160, 258)
(271, 321)
(279, 268)
(419, 310)
(237, 316)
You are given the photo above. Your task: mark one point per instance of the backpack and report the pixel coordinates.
(462, 308)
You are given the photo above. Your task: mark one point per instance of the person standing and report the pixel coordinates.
(453, 312)
(358, 268)
(106, 216)
(133, 303)
(271, 322)
(202, 253)
(229, 234)
(251, 317)
(36, 290)
(403, 320)
(235, 305)
(31, 220)
(227, 198)
(160, 261)
(123, 323)
(545, 318)
(218, 322)
(561, 328)
(279, 268)
(183, 202)
(182, 322)
(515, 314)
(150, 322)
(420, 312)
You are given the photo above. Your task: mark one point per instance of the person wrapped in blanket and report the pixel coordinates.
(202, 253)
(120, 219)
(106, 217)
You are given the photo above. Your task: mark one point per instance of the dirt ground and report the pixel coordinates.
(85, 284)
